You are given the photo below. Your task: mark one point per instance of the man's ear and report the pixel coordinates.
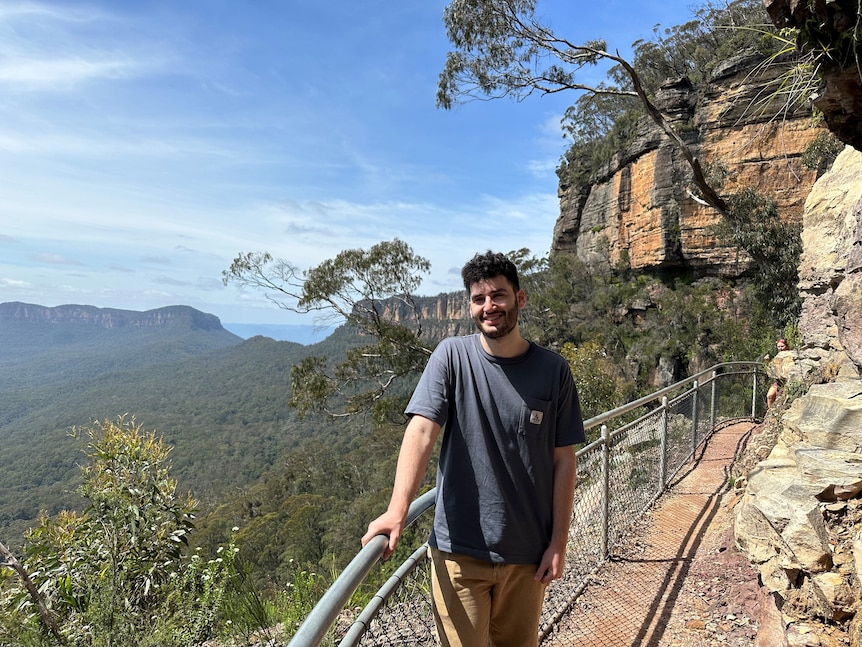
(521, 298)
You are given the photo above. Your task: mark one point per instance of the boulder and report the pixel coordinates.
(829, 416)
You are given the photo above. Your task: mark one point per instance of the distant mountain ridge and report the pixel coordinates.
(42, 345)
(106, 317)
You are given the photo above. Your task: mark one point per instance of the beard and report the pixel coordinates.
(502, 327)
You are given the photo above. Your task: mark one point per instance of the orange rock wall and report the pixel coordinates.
(644, 207)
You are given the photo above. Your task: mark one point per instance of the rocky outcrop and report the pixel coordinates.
(811, 481)
(444, 315)
(829, 27)
(830, 270)
(813, 472)
(640, 210)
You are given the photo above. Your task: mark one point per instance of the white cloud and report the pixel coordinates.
(55, 74)
(14, 283)
(55, 259)
(56, 48)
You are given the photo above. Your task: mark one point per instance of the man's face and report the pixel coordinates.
(494, 306)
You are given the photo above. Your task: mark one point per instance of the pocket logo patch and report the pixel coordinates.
(536, 417)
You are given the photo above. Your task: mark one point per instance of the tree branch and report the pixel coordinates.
(45, 613)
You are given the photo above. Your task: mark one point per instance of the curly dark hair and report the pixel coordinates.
(487, 266)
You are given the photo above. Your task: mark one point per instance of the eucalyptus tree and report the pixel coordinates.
(372, 291)
(503, 50)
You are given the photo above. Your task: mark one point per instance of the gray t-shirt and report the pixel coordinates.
(503, 417)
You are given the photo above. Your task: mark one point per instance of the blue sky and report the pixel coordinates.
(144, 144)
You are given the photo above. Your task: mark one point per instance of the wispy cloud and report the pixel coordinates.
(50, 47)
(14, 283)
(56, 259)
(55, 74)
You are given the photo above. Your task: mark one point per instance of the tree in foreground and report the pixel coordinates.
(117, 573)
(370, 290)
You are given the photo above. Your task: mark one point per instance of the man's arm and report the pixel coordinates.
(565, 478)
(419, 438)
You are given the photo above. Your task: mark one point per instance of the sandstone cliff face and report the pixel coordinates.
(441, 316)
(640, 205)
(830, 271)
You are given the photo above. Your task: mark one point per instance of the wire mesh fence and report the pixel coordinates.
(620, 476)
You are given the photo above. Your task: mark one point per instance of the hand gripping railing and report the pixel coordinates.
(613, 472)
(315, 626)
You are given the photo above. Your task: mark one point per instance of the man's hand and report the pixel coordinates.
(390, 524)
(552, 565)
(419, 439)
(565, 477)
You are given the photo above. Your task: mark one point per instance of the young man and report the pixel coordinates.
(507, 470)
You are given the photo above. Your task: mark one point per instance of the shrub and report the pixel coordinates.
(116, 574)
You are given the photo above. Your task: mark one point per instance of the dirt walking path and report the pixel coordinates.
(677, 580)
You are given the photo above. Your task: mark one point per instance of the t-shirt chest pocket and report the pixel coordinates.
(535, 417)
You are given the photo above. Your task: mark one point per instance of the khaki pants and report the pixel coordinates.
(475, 601)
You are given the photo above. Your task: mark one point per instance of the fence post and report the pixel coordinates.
(712, 403)
(754, 395)
(696, 392)
(606, 488)
(662, 465)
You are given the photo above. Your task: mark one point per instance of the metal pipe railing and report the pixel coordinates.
(325, 612)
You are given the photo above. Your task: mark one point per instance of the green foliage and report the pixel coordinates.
(754, 224)
(822, 151)
(594, 373)
(117, 573)
(792, 334)
(639, 322)
(272, 616)
(371, 291)
(501, 50)
(832, 41)
(600, 127)
(312, 508)
(716, 33)
(562, 302)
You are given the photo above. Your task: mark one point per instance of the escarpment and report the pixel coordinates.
(640, 209)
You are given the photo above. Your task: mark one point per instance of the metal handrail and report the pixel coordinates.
(323, 616)
(325, 612)
(595, 421)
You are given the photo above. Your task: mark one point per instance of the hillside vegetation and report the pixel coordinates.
(219, 401)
